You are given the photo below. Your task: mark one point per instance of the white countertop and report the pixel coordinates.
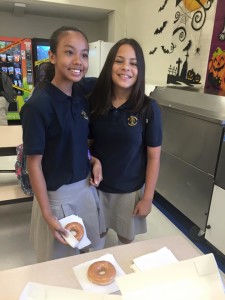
(59, 272)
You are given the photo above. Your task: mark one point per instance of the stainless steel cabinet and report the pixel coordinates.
(220, 174)
(193, 130)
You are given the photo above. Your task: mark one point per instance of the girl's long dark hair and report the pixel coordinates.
(102, 94)
(54, 40)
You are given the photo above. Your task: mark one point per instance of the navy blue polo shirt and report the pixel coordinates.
(56, 126)
(85, 85)
(120, 140)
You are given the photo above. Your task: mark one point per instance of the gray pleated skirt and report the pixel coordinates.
(79, 199)
(118, 210)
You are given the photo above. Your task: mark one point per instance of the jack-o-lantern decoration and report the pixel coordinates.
(197, 78)
(217, 62)
(216, 69)
(191, 75)
(192, 5)
(222, 85)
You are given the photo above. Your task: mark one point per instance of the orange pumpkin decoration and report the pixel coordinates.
(192, 5)
(217, 63)
(222, 85)
(216, 67)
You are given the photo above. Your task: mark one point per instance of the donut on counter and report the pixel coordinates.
(101, 272)
(76, 229)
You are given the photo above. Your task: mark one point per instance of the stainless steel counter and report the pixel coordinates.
(195, 102)
(193, 131)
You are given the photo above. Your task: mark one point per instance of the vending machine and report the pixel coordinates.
(16, 62)
(40, 48)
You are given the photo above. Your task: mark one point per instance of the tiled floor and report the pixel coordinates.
(15, 248)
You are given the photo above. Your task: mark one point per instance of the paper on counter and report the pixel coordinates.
(196, 279)
(162, 257)
(81, 274)
(71, 240)
(36, 291)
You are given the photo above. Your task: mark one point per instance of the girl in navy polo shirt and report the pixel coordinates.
(55, 138)
(127, 135)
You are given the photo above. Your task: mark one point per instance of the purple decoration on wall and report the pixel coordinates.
(215, 77)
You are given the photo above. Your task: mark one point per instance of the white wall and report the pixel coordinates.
(131, 18)
(146, 18)
(117, 19)
(143, 17)
(110, 29)
(104, 4)
(42, 27)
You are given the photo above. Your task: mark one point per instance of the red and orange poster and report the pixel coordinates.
(215, 78)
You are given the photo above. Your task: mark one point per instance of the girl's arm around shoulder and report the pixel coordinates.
(85, 86)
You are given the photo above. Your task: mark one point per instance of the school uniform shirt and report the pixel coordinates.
(56, 126)
(85, 85)
(120, 141)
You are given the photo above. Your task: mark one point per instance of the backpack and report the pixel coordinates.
(6, 88)
(21, 171)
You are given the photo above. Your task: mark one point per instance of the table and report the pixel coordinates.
(11, 137)
(59, 272)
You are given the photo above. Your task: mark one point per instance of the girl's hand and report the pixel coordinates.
(57, 230)
(143, 208)
(96, 171)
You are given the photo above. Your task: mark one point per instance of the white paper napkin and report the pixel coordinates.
(81, 274)
(36, 291)
(195, 279)
(162, 257)
(71, 240)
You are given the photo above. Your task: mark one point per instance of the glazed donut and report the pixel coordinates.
(101, 272)
(76, 229)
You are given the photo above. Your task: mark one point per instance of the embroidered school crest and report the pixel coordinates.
(132, 121)
(84, 115)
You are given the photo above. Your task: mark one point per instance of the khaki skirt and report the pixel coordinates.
(79, 199)
(118, 210)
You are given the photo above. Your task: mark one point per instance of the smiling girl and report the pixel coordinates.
(127, 135)
(55, 132)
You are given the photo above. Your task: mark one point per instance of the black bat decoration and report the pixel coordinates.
(197, 50)
(153, 51)
(160, 29)
(188, 46)
(178, 2)
(172, 47)
(165, 50)
(163, 6)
